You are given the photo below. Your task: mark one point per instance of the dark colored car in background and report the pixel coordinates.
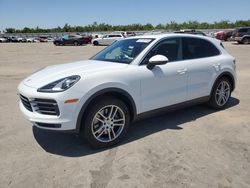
(242, 35)
(73, 40)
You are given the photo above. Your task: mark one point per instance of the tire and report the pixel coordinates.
(76, 43)
(102, 128)
(57, 43)
(221, 94)
(246, 40)
(96, 43)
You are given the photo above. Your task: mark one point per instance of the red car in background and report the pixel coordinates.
(224, 35)
(75, 40)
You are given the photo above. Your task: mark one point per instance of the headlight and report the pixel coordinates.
(60, 85)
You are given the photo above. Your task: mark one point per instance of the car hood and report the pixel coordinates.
(81, 68)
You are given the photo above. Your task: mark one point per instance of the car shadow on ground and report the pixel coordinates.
(74, 146)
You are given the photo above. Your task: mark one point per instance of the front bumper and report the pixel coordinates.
(65, 121)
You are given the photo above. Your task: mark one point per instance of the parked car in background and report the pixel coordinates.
(191, 31)
(50, 39)
(218, 35)
(96, 36)
(134, 77)
(242, 35)
(42, 39)
(12, 39)
(223, 35)
(3, 39)
(227, 34)
(107, 39)
(73, 40)
(31, 39)
(129, 34)
(87, 39)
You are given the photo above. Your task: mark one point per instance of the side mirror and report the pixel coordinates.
(156, 60)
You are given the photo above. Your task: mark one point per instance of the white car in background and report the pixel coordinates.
(20, 39)
(131, 78)
(2, 39)
(107, 39)
(30, 40)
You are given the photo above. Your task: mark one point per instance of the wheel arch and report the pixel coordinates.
(227, 75)
(114, 92)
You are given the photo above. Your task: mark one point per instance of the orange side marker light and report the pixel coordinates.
(71, 101)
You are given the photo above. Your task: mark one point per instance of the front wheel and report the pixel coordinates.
(106, 122)
(96, 43)
(221, 94)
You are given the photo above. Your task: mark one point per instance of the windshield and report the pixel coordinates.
(123, 51)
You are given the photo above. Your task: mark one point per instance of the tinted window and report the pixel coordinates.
(243, 30)
(169, 48)
(198, 48)
(115, 36)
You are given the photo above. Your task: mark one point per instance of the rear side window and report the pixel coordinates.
(243, 30)
(115, 36)
(194, 48)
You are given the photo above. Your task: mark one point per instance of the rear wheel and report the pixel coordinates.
(221, 93)
(246, 41)
(76, 43)
(106, 122)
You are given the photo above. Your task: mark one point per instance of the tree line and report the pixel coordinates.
(98, 27)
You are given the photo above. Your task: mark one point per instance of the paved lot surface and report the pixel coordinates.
(192, 147)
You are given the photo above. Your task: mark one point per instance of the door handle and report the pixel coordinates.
(182, 71)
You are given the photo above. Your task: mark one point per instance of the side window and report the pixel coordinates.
(194, 48)
(170, 48)
(244, 30)
(113, 36)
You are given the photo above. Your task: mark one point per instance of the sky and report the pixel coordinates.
(53, 13)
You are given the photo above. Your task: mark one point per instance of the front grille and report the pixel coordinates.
(45, 106)
(26, 102)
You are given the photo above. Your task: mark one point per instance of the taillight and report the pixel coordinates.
(237, 34)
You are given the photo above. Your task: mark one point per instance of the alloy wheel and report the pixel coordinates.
(222, 93)
(108, 123)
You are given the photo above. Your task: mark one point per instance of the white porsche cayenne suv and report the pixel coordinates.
(99, 98)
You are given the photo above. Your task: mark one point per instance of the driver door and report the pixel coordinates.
(164, 85)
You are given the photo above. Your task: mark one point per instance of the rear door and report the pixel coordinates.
(113, 38)
(202, 59)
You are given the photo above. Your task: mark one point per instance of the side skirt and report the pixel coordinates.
(171, 108)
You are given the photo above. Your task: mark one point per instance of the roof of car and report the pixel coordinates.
(159, 36)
